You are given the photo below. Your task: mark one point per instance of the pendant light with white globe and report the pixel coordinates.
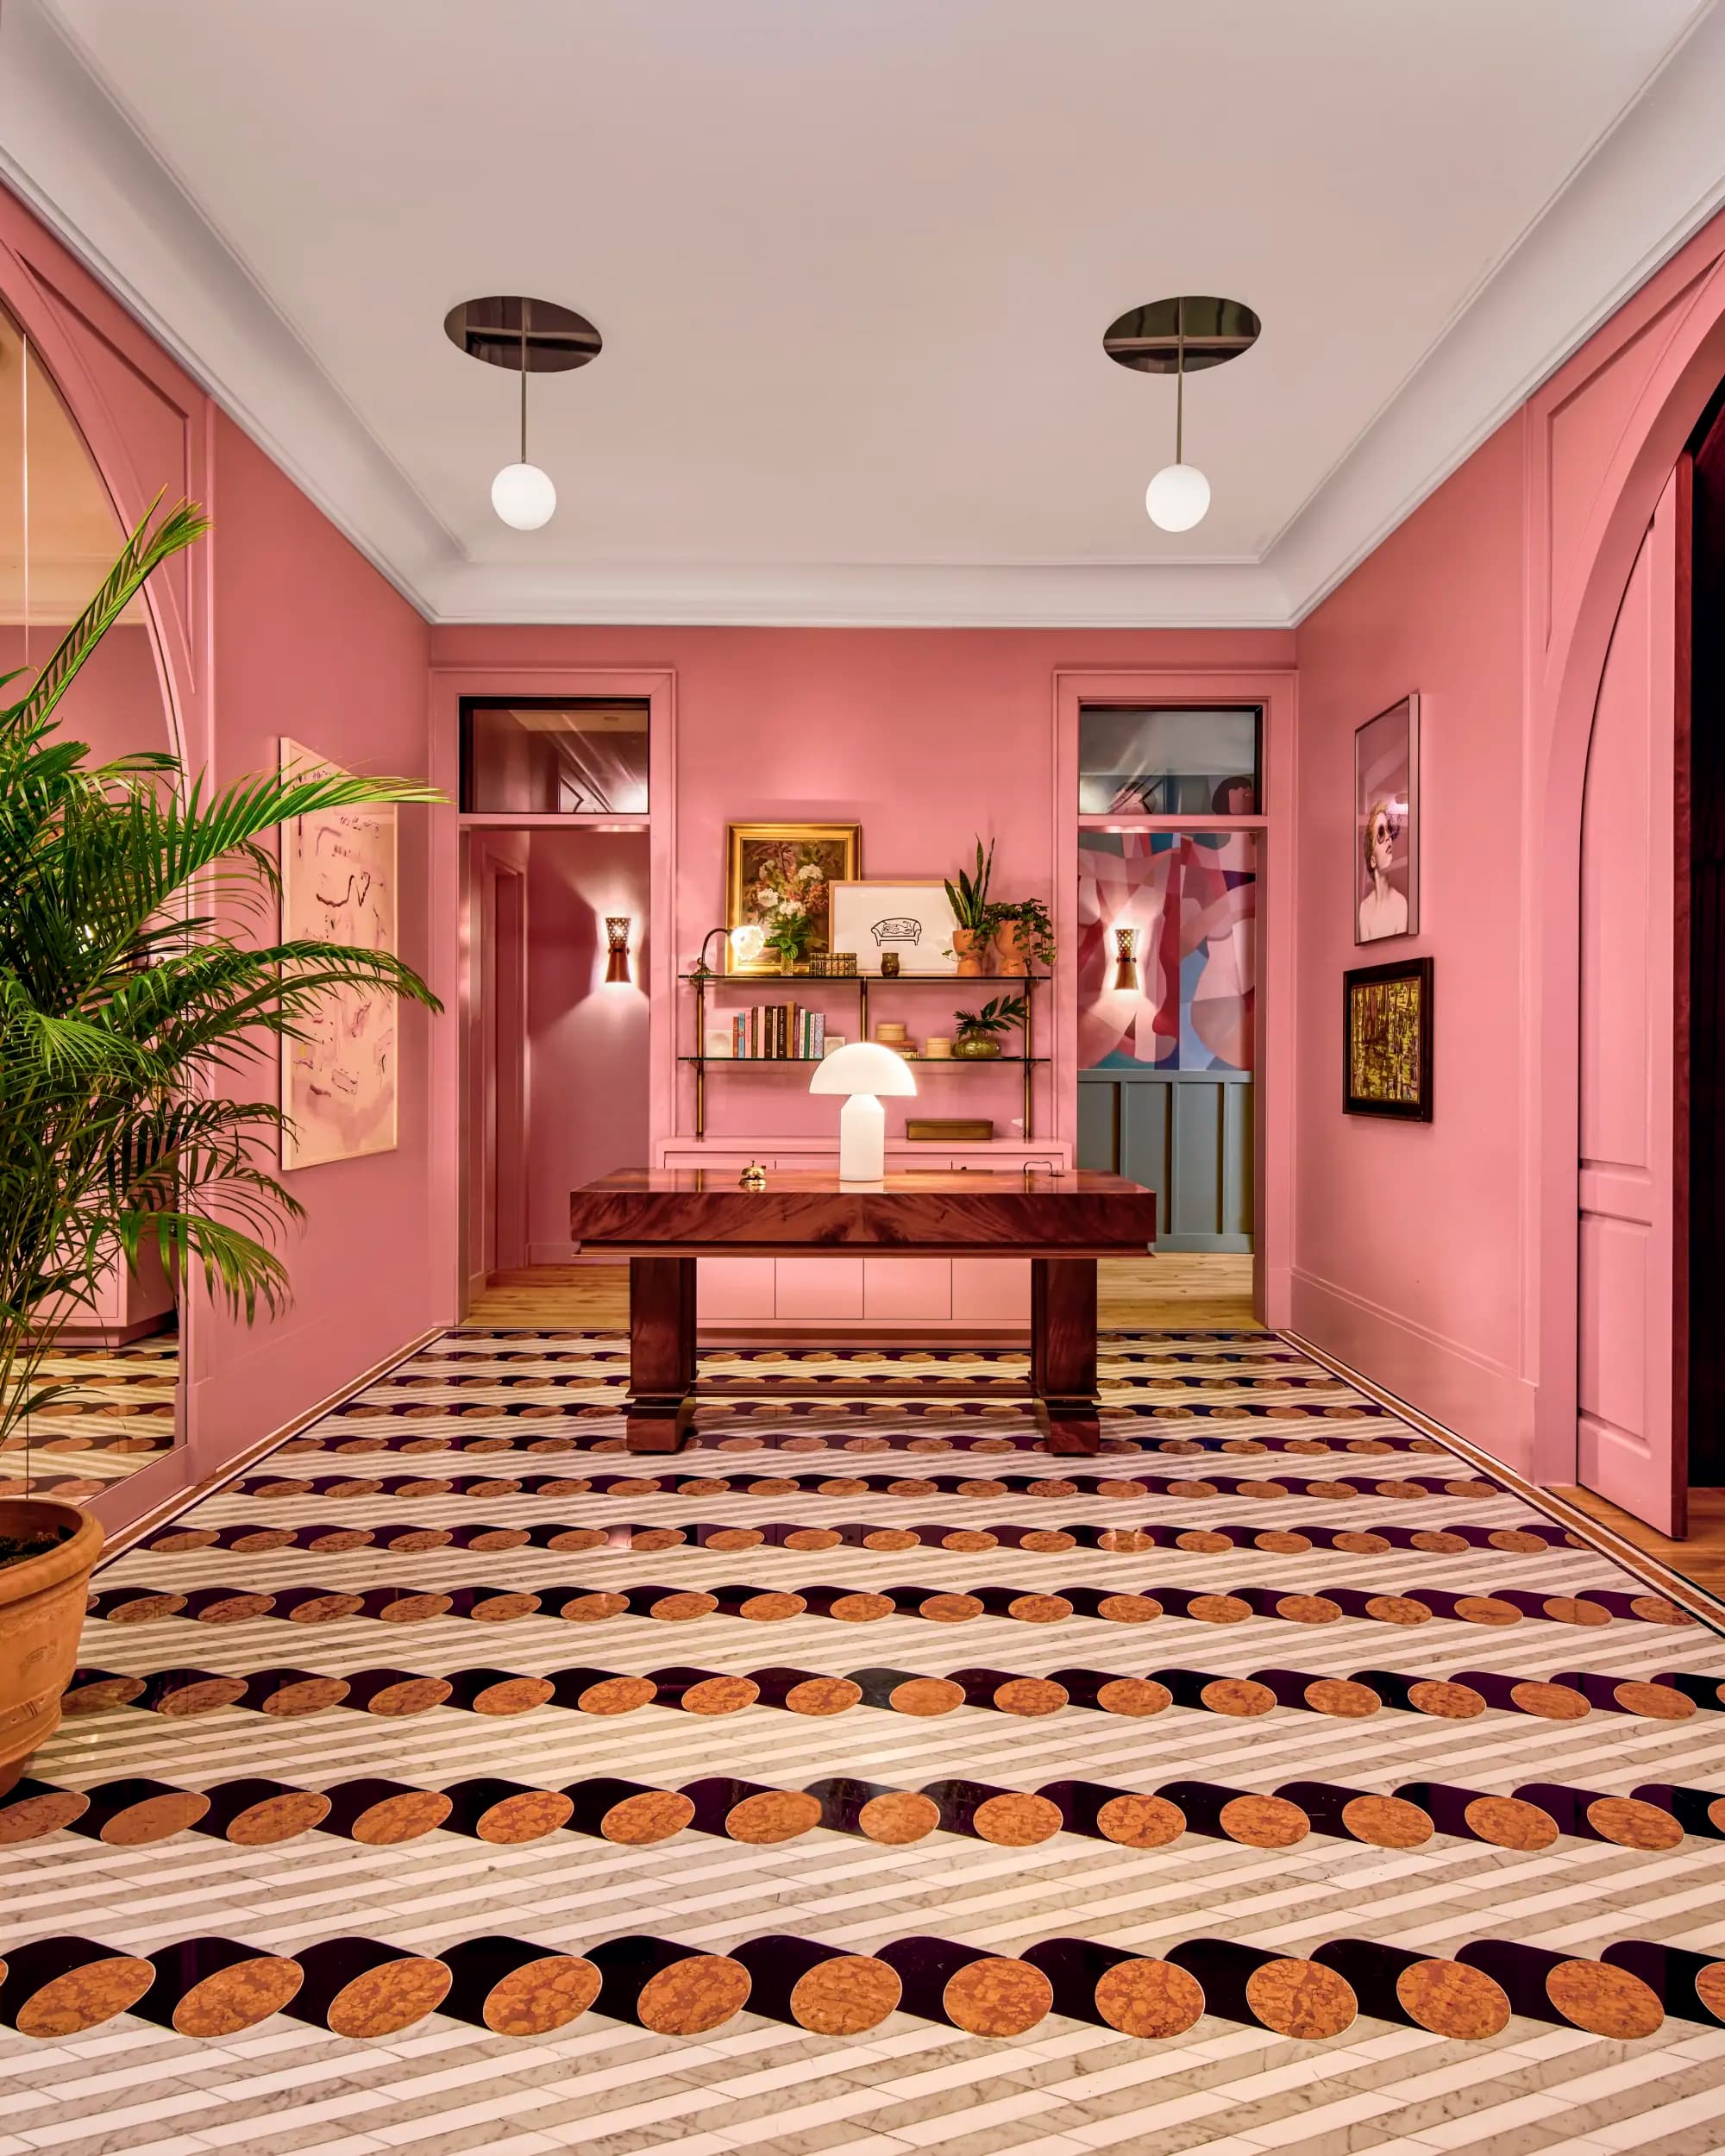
(1179, 495)
(526, 336)
(521, 493)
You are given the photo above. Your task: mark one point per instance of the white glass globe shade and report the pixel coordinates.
(523, 495)
(749, 941)
(1177, 497)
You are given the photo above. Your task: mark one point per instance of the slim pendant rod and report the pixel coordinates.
(524, 381)
(1179, 382)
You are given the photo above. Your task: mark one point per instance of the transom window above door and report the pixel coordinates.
(554, 756)
(1135, 761)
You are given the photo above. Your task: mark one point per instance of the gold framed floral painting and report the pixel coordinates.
(778, 877)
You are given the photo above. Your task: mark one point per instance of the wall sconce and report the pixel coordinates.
(1125, 958)
(617, 938)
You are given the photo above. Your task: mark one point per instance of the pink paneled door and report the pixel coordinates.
(1631, 1441)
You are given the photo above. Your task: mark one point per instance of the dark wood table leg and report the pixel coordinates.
(661, 1353)
(1062, 1351)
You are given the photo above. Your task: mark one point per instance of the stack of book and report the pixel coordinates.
(779, 1033)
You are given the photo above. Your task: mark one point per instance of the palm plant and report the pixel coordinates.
(129, 996)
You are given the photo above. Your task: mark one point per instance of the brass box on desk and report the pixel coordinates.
(949, 1130)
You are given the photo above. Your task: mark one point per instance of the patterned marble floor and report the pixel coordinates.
(865, 1780)
(117, 1416)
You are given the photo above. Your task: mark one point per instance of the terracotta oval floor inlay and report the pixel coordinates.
(1263, 1822)
(823, 1696)
(899, 1815)
(803, 1539)
(1452, 1999)
(238, 1997)
(768, 1609)
(1341, 1695)
(1633, 1825)
(29, 1818)
(154, 1818)
(1388, 1822)
(1149, 1998)
(860, 1610)
(273, 1819)
(1131, 1609)
(1307, 1609)
(844, 1996)
(649, 1815)
(1551, 1703)
(528, 1816)
(402, 1818)
(1017, 1821)
(1450, 1703)
(412, 1696)
(924, 1695)
(683, 1607)
(1032, 1695)
(949, 1609)
(542, 1996)
(390, 1998)
(1603, 2000)
(1509, 1822)
(1302, 1999)
(693, 1995)
(1661, 1703)
(997, 1996)
(772, 1815)
(721, 1696)
(593, 1609)
(1141, 1822)
(84, 1998)
(1236, 1695)
(1138, 1695)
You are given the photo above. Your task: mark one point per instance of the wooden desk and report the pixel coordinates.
(663, 1220)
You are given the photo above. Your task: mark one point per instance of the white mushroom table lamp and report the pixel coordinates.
(864, 1071)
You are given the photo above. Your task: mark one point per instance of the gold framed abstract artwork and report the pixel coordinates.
(1387, 1040)
(779, 877)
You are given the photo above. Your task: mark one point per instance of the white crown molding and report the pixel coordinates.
(907, 595)
(68, 148)
(1647, 187)
(70, 152)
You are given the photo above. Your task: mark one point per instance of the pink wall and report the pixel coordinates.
(1442, 1259)
(588, 1072)
(924, 737)
(278, 621)
(1407, 1256)
(310, 642)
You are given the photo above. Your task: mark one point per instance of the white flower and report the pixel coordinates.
(766, 899)
(809, 873)
(792, 909)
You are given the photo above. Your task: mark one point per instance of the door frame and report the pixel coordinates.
(1273, 690)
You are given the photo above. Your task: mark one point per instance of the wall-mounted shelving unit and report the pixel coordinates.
(703, 983)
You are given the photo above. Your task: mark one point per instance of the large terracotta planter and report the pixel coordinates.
(968, 947)
(1009, 952)
(41, 1613)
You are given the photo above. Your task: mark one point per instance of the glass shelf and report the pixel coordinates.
(965, 981)
(916, 1062)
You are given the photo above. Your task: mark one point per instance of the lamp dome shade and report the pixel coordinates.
(863, 1067)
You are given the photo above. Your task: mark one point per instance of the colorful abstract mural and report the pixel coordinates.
(1191, 897)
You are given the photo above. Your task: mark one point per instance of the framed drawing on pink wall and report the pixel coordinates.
(338, 878)
(1386, 825)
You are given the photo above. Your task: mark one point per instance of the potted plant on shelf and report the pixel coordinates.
(128, 998)
(1023, 934)
(968, 898)
(979, 1031)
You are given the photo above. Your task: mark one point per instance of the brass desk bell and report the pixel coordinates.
(754, 1177)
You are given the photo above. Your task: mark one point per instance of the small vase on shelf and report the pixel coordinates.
(970, 947)
(1010, 956)
(976, 1046)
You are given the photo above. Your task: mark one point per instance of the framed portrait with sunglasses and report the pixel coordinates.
(1386, 825)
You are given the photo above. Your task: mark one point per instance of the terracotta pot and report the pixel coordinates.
(1009, 952)
(970, 946)
(41, 1613)
(978, 1045)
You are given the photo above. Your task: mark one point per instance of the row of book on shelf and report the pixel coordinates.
(774, 1033)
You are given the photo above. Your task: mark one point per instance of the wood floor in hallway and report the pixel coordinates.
(1201, 1290)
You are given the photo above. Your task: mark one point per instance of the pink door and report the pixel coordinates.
(1631, 1438)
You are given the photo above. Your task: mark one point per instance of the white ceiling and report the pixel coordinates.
(852, 260)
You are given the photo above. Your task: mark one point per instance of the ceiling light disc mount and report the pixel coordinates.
(1210, 332)
(510, 330)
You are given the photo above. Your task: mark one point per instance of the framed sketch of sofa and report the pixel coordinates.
(912, 919)
(1387, 1040)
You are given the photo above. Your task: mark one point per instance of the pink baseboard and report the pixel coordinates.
(1489, 1405)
